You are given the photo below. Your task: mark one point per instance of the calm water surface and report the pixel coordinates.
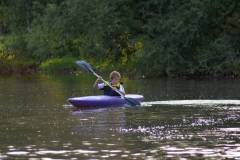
(179, 119)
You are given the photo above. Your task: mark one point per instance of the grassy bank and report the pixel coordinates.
(11, 65)
(59, 65)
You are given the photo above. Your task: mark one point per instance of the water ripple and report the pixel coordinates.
(192, 102)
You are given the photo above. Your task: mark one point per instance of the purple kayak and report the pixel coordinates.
(102, 100)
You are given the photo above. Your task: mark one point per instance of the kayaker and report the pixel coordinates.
(114, 81)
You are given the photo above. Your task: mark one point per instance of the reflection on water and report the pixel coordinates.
(179, 119)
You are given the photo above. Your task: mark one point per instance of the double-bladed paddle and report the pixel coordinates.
(88, 68)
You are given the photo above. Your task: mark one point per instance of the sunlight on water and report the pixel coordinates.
(180, 119)
(221, 151)
(226, 146)
(18, 153)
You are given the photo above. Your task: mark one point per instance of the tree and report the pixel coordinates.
(139, 37)
(185, 36)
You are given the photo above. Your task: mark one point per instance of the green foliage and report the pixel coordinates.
(60, 65)
(10, 64)
(188, 37)
(137, 37)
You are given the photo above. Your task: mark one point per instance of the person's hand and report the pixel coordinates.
(99, 78)
(114, 88)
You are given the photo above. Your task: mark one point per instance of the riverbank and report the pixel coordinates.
(12, 66)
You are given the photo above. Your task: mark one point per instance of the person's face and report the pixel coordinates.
(115, 80)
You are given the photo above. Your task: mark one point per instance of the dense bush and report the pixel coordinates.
(148, 37)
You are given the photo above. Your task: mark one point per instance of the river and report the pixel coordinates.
(180, 118)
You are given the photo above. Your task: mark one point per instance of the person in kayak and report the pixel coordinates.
(114, 82)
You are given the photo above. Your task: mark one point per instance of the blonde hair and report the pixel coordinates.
(115, 74)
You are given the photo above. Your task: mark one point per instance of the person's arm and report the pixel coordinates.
(95, 85)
